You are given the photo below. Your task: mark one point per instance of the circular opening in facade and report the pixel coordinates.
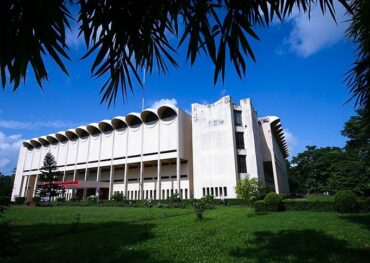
(119, 124)
(105, 127)
(52, 139)
(93, 130)
(167, 113)
(149, 117)
(71, 135)
(28, 145)
(44, 142)
(35, 143)
(133, 121)
(82, 133)
(61, 137)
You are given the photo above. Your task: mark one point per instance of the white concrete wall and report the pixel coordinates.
(252, 140)
(213, 147)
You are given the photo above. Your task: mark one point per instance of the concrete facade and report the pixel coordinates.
(156, 153)
(230, 143)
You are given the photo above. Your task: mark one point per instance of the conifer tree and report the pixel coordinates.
(49, 178)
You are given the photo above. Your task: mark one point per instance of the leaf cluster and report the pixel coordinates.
(129, 37)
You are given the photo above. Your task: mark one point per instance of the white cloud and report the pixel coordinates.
(291, 140)
(308, 36)
(9, 149)
(17, 125)
(161, 102)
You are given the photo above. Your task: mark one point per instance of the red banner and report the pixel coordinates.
(69, 183)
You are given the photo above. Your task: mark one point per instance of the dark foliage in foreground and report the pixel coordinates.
(128, 37)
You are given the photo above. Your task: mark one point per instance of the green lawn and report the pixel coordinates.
(226, 234)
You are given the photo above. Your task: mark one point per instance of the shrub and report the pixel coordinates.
(36, 199)
(208, 201)
(308, 205)
(274, 201)
(175, 197)
(61, 199)
(20, 200)
(364, 205)
(4, 200)
(199, 207)
(118, 197)
(148, 203)
(346, 201)
(251, 190)
(75, 199)
(92, 199)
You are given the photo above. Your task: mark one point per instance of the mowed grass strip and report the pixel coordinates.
(48, 222)
(227, 234)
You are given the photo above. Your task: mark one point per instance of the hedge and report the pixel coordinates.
(308, 205)
(4, 200)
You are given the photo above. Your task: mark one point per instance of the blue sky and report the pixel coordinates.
(298, 76)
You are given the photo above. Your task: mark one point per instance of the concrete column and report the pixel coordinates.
(84, 193)
(111, 176)
(87, 159)
(26, 186)
(99, 170)
(159, 184)
(125, 178)
(65, 163)
(78, 146)
(178, 163)
(21, 186)
(35, 185)
(141, 182)
(98, 173)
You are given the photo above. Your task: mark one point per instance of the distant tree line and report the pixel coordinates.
(6, 184)
(327, 170)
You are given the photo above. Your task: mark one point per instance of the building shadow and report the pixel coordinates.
(298, 246)
(105, 242)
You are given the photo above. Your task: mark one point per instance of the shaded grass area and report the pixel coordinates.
(227, 234)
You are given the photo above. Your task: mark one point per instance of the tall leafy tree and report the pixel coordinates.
(6, 184)
(130, 36)
(49, 178)
(313, 166)
(357, 130)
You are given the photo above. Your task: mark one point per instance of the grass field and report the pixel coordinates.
(226, 234)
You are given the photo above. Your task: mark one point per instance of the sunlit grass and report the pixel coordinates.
(226, 234)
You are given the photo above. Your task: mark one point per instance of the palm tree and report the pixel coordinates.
(128, 37)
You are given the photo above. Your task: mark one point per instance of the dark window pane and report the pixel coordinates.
(242, 165)
(238, 118)
(239, 140)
